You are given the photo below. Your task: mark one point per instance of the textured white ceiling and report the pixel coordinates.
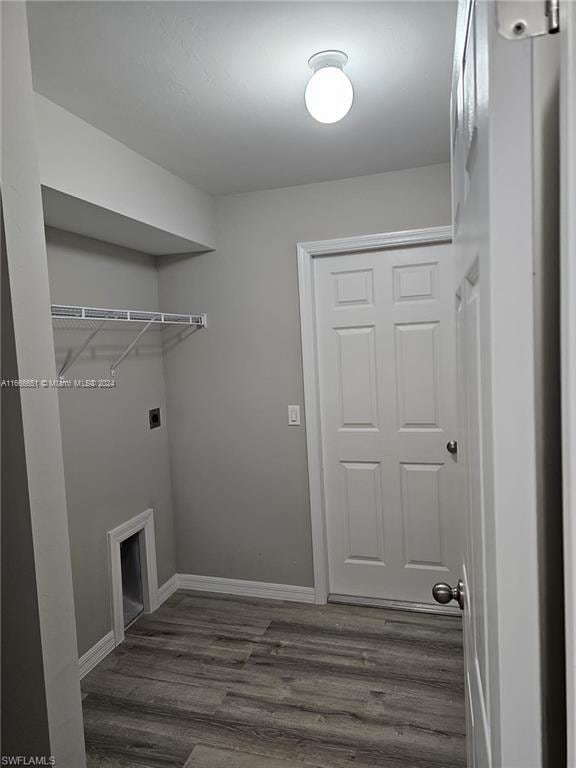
(214, 91)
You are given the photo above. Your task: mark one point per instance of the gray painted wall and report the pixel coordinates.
(239, 472)
(115, 466)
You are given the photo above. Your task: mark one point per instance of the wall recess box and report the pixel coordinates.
(154, 418)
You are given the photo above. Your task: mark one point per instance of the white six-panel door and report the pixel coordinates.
(493, 194)
(386, 364)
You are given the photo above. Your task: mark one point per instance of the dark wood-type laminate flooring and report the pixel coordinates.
(217, 682)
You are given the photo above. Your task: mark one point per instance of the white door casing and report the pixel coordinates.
(492, 166)
(392, 328)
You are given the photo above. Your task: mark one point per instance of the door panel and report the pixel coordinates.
(357, 377)
(418, 375)
(385, 333)
(424, 542)
(362, 497)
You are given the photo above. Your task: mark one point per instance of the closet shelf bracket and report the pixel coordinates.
(71, 359)
(130, 347)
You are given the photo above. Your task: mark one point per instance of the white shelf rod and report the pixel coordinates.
(68, 312)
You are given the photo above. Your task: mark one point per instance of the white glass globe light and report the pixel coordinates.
(329, 93)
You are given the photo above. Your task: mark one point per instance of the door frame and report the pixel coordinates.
(142, 524)
(568, 350)
(306, 253)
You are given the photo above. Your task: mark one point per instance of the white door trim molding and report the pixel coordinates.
(144, 523)
(306, 252)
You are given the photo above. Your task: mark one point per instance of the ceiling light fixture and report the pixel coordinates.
(329, 93)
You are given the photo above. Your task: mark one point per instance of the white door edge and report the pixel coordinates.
(306, 252)
(568, 345)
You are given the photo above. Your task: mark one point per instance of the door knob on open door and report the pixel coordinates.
(444, 593)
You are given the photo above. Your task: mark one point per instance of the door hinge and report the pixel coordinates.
(519, 19)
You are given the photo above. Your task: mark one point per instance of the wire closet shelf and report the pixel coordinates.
(96, 318)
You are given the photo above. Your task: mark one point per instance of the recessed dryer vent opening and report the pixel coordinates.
(132, 592)
(133, 575)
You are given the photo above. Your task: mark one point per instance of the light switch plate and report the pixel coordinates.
(293, 415)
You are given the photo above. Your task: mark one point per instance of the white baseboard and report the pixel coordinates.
(102, 648)
(167, 589)
(239, 587)
(94, 655)
(245, 588)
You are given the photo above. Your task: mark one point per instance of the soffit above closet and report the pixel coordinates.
(214, 91)
(72, 214)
